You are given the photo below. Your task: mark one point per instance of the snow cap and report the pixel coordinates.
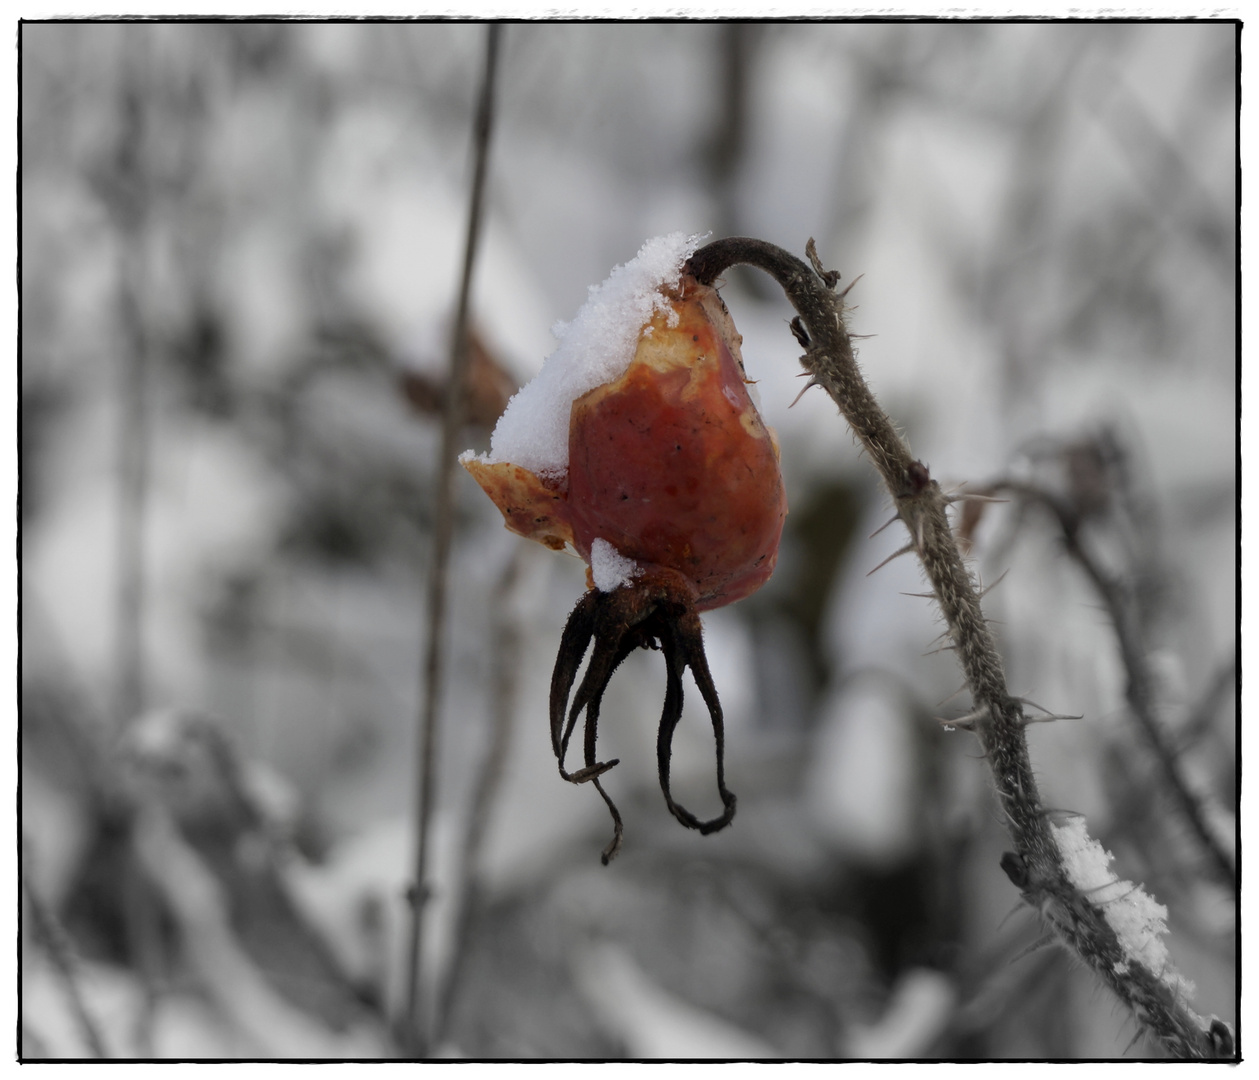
(595, 348)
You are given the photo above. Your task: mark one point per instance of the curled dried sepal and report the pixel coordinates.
(655, 610)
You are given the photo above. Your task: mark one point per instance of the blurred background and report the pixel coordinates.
(240, 251)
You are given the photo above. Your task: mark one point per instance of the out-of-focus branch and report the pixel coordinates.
(1203, 713)
(505, 656)
(1038, 867)
(195, 900)
(127, 202)
(415, 1023)
(52, 935)
(1140, 688)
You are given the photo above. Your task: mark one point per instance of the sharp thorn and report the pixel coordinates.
(848, 287)
(1035, 946)
(1020, 906)
(1050, 715)
(964, 723)
(890, 521)
(973, 497)
(807, 387)
(895, 555)
(920, 595)
(988, 588)
(951, 696)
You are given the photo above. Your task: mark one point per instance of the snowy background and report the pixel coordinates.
(240, 250)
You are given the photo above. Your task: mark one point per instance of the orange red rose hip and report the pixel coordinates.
(671, 467)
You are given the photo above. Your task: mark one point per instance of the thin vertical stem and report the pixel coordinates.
(129, 207)
(415, 1027)
(505, 655)
(133, 438)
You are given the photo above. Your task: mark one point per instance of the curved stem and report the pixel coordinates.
(1037, 866)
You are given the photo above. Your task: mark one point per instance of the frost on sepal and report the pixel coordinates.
(1138, 920)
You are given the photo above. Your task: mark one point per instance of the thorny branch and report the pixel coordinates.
(1036, 866)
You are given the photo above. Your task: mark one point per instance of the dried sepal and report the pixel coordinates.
(657, 609)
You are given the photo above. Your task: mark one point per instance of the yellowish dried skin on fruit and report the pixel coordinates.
(529, 505)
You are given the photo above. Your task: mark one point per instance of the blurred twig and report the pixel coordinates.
(1203, 713)
(127, 202)
(1140, 687)
(504, 656)
(125, 186)
(414, 1026)
(52, 935)
(196, 901)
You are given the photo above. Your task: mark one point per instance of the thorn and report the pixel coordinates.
(921, 595)
(895, 555)
(848, 287)
(1035, 946)
(971, 497)
(951, 696)
(963, 723)
(1047, 715)
(859, 337)
(942, 648)
(1020, 906)
(807, 387)
(890, 521)
(1135, 1039)
(985, 591)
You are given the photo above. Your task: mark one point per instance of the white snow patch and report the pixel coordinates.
(595, 348)
(1138, 920)
(609, 567)
(917, 1012)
